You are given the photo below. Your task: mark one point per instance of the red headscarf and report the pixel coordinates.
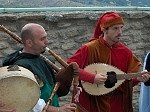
(106, 20)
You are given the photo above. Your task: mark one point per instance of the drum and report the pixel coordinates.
(18, 88)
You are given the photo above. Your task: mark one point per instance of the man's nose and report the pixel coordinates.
(120, 31)
(46, 41)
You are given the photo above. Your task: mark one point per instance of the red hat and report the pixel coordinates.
(106, 20)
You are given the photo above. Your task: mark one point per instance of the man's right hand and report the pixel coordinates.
(100, 78)
(70, 107)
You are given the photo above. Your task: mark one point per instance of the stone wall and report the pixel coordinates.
(68, 31)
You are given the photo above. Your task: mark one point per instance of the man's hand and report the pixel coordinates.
(76, 96)
(71, 107)
(145, 76)
(100, 78)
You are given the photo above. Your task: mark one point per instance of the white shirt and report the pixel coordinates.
(39, 106)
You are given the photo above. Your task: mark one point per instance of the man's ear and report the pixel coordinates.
(105, 30)
(29, 42)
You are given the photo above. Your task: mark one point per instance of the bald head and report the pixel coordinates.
(34, 38)
(29, 31)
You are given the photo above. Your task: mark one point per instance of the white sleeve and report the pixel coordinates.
(39, 106)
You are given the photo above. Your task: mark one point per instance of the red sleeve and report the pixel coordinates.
(86, 76)
(81, 58)
(134, 66)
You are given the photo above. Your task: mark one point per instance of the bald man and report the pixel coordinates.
(34, 38)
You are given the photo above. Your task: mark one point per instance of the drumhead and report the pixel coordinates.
(19, 88)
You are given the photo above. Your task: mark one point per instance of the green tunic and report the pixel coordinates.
(39, 68)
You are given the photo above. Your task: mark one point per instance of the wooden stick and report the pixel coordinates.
(58, 58)
(51, 96)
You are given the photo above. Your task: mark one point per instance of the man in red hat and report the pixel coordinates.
(105, 47)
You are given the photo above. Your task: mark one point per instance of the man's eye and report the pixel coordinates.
(115, 28)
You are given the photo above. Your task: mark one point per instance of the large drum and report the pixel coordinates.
(18, 88)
